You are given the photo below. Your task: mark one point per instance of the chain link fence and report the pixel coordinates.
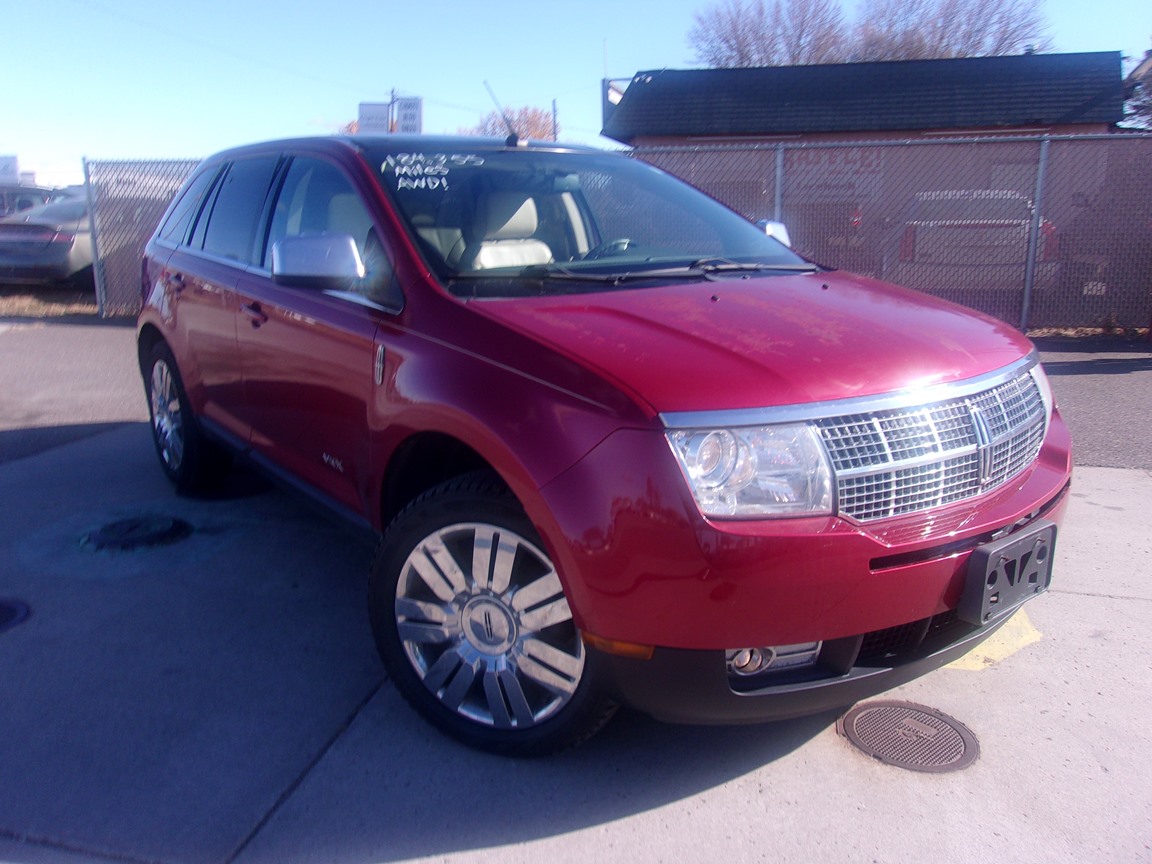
(1039, 231)
(126, 200)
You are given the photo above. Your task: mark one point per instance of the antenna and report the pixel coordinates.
(503, 114)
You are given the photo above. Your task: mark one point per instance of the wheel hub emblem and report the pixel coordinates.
(489, 625)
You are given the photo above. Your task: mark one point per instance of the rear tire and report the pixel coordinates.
(193, 463)
(473, 626)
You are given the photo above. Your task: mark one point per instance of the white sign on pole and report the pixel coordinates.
(404, 115)
(410, 115)
(374, 118)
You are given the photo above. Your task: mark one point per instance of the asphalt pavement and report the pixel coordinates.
(219, 699)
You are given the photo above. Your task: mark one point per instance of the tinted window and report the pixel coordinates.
(317, 198)
(175, 228)
(231, 230)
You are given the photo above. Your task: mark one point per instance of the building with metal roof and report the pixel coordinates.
(1023, 94)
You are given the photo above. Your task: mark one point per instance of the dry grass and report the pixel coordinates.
(1101, 333)
(36, 301)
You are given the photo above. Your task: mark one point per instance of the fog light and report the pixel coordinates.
(749, 661)
(752, 661)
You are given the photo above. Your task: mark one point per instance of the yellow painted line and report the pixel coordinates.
(1016, 634)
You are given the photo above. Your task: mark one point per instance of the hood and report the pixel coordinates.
(766, 341)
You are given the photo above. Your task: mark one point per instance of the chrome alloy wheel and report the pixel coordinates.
(167, 419)
(483, 620)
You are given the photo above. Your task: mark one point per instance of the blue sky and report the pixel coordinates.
(127, 79)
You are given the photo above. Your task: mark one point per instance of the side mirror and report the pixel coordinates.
(775, 229)
(317, 261)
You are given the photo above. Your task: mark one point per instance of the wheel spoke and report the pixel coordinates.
(421, 611)
(438, 552)
(435, 565)
(494, 693)
(442, 670)
(566, 664)
(521, 710)
(482, 545)
(502, 568)
(546, 677)
(506, 700)
(424, 623)
(535, 593)
(493, 559)
(556, 612)
(459, 686)
(424, 634)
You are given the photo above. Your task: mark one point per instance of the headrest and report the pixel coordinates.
(346, 215)
(511, 216)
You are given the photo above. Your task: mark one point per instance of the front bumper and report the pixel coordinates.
(685, 686)
(640, 565)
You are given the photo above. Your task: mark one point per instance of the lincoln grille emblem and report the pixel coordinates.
(983, 443)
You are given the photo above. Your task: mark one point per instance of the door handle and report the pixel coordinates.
(254, 314)
(378, 366)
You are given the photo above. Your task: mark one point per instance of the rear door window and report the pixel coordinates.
(231, 226)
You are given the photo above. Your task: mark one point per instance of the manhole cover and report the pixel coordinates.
(910, 736)
(12, 612)
(138, 532)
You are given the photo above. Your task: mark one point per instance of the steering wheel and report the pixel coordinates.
(608, 248)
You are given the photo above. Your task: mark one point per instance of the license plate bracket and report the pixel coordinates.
(1004, 573)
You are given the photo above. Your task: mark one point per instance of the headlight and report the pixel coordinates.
(750, 472)
(1045, 388)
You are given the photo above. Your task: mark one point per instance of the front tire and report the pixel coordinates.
(471, 620)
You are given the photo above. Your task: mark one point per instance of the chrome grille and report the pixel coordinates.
(906, 460)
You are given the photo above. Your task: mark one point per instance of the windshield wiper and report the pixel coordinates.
(558, 271)
(725, 265)
(704, 268)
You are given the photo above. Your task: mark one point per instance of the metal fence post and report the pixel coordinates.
(97, 268)
(778, 205)
(1034, 233)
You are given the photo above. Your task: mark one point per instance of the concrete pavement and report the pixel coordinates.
(220, 700)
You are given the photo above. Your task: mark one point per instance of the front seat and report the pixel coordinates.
(509, 223)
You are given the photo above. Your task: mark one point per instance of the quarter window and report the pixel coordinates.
(175, 228)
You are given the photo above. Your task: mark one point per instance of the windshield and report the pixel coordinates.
(515, 221)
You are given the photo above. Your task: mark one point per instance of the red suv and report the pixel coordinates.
(620, 445)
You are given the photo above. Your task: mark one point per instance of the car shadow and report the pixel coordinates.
(1099, 366)
(23, 443)
(75, 320)
(393, 788)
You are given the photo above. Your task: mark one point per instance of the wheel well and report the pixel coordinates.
(421, 462)
(147, 339)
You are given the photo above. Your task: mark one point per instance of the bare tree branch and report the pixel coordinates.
(736, 33)
(1138, 107)
(810, 31)
(528, 122)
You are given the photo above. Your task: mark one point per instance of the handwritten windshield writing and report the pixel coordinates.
(426, 170)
